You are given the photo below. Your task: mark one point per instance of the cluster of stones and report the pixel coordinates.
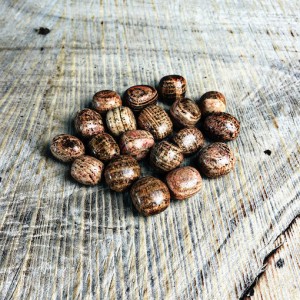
(137, 126)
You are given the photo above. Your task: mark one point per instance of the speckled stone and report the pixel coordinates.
(120, 120)
(104, 147)
(211, 102)
(189, 140)
(88, 123)
(136, 143)
(66, 147)
(165, 156)
(184, 182)
(105, 100)
(87, 170)
(172, 88)
(139, 96)
(150, 196)
(185, 113)
(155, 120)
(121, 172)
(221, 127)
(216, 160)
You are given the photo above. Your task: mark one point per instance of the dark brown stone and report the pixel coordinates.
(106, 100)
(150, 196)
(212, 102)
(185, 113)
(88, 123)
(155, 120)
(189, 140)
(221, 127)
(104, 147)
(66, 147)
(216, 160)
(172, 88)
(184, 182)
(139, 96)
(165, 156)
(136, 143)
(121, 172)
(87, 170)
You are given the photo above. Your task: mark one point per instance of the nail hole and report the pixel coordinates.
(280, 263)
(268, 152)
(43, 30)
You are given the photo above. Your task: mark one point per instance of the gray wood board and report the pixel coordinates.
(63, 240)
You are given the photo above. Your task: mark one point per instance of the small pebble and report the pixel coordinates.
(121, 172)
(185, 113)
(105, 100)
(88, 123)
(165, 156)
(184, 182)
(212, 102)
(216, 160)
(155, 120)
(189, 140)
(136, 143)
(120, 120)
(104, 147)
(150, 196)
(87, 170)
(221, 127)
(172, 88)
(66, 147)
(139, 96)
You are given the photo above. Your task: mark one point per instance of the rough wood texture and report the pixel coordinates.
(280, 279)
(60, 239)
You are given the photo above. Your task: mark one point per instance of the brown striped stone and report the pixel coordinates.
(189, 140)
(121, 172)
(212, 102)
(139, 96)
(136, 143)
(88, 123)
(150, 196)
(155, 119)
(120, 120)
(66, 147)
(216, 160)
(184, 182)
(165, 156)
(185, 113)
(104, 147)
(87, 170)
(172, 88)
(221, 127)
(106, 100)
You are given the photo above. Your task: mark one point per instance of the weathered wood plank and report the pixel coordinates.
(62, 240)
(280, 279)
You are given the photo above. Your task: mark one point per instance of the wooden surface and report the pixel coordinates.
(280, 279)
(63, 240)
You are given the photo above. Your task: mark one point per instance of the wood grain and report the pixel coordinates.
(280, 279)
(63, 240)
